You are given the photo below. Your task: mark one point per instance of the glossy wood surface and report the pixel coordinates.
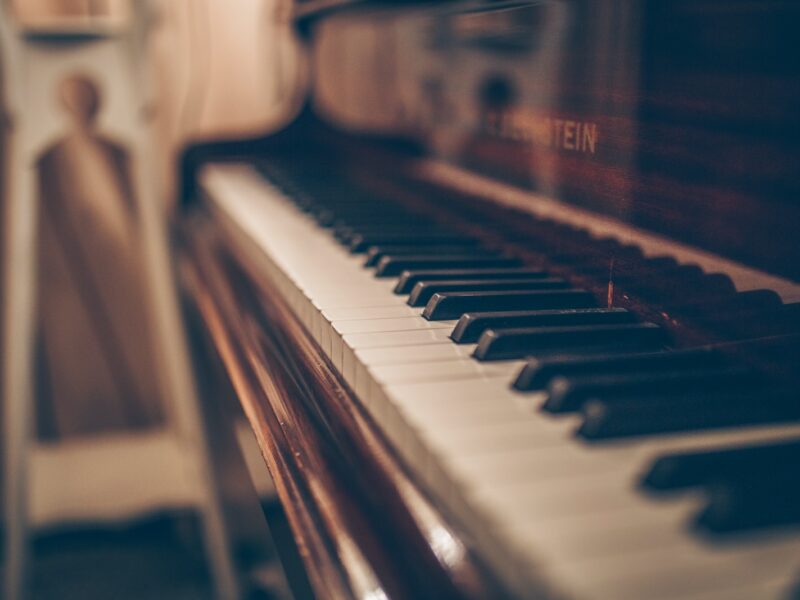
(679, 117)
(362, 525)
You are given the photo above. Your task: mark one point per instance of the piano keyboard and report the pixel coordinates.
(584, 456)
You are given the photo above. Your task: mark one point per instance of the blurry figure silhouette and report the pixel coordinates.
(484, 149)
(497, 95)
(92, 306)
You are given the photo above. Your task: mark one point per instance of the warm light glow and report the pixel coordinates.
(446, 547)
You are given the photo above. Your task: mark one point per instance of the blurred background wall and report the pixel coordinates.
(222, 68)
(219, 68)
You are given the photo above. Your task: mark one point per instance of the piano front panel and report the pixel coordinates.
(678, 117)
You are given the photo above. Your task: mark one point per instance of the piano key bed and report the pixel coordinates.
(586, 452)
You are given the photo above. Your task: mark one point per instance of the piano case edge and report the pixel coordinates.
(336, 476)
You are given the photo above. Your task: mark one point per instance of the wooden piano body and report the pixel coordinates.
(642, 152)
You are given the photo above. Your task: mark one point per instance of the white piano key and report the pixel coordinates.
(439, 333)
(482, 438)
(356, 363)
(444, 370)
(406, 323)
(672, 571)
(414, 354)
(380, 312)
(633, 528)
(384, 331)
(367, 300)
(621, 463)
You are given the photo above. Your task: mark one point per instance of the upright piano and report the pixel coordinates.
(512, 302)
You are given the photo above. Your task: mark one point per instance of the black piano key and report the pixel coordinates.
(710, 286)
(643, 272)
(361, 212)
(408, 279)
(506, 344)
(358, 219)
(538, 373)
(451, 305)
(424, 290)
(688, 412)
(361, 241)
(471, 325)
(376, 253)
(793, 592)
(777, 356)
(656, 266)
(691, 308)
(568, 394)
(756, 323)
(382, 234)
(392, 266)
(344, 226)
(355, 217)
(769, 498)
(682, 470)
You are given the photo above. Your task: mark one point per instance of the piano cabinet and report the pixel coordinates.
(640, 157)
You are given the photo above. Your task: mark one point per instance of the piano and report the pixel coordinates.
(512, 302)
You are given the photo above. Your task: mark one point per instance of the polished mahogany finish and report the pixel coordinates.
(679, 117)
(363, 527)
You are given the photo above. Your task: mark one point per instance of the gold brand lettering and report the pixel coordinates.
(537, 130)
(589, 137)
(569, 135)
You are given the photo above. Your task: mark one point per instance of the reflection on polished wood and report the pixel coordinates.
(363, 528)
